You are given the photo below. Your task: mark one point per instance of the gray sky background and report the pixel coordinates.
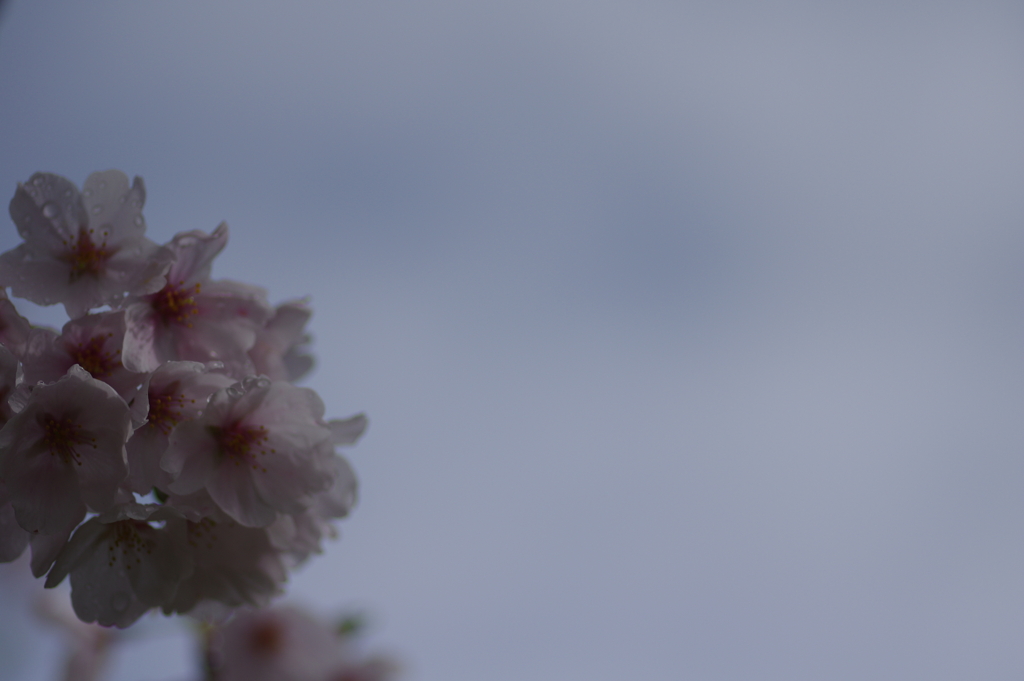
(690, 333)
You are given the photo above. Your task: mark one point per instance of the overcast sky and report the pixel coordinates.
(690, 333)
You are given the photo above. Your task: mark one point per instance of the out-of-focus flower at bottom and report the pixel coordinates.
(286, 643)
(88, 645)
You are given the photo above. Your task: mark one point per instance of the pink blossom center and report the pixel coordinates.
(165, 409)
(62, 436)
(92, 357)
(266, 639)
(176, 304)
(202, 532)
(242, 443)
(129, 540)
(84, 256)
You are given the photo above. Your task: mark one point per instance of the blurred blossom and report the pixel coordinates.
(286, 643)
(87, 645)
(156, 399)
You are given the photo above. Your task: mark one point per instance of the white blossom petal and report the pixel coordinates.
(46, 547)
(279, 351)
(348, 431)
(48, 210)
(339, 499)
(191, 457)
(75, 552)
(102, 595)
(110, 201)
(44, 495)
(195, 252)
(14, 328)
(13, 539)
(232, 488)
(233, 565)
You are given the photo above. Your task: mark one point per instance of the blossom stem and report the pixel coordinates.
(211, 655)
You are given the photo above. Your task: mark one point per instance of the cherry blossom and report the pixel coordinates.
(81, 249)
(286, 643)
(92, 342)
(64, 448)
(121, 565)
(193, 318)
(180, 392)
(174, 393)
(256, 449)
(279, 644)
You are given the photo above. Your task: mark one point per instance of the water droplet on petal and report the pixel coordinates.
(97, 209)
(39, 181)
(51, 210)
(119, 601)
(255, 382)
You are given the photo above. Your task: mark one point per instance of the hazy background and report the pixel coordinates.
(690, 333)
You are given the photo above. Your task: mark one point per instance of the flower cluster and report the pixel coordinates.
(285, 643)
(156, 449)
